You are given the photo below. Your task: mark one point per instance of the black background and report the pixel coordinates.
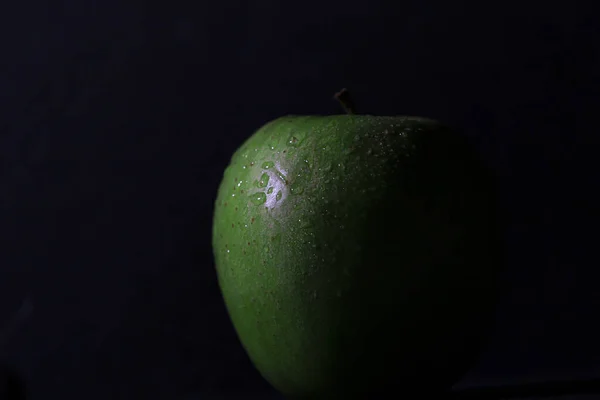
(118, 118)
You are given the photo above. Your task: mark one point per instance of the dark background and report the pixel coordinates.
(118, 118)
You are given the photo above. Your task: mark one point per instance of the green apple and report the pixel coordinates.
(357, 253)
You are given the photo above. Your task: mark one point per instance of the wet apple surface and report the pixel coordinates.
(357, 251)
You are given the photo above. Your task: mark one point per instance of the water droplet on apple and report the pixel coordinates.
(258, 198)
(272, 142)
(296, 189)
(281, 176)
(293, 141)
(270, 190)
(264, 181)
(305, 223)
(268, 164)
(278, 196)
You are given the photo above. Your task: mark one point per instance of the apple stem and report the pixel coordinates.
(343, 96)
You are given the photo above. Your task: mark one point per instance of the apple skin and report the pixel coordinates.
(358, 253)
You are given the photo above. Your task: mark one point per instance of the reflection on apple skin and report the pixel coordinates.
(277, 191)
